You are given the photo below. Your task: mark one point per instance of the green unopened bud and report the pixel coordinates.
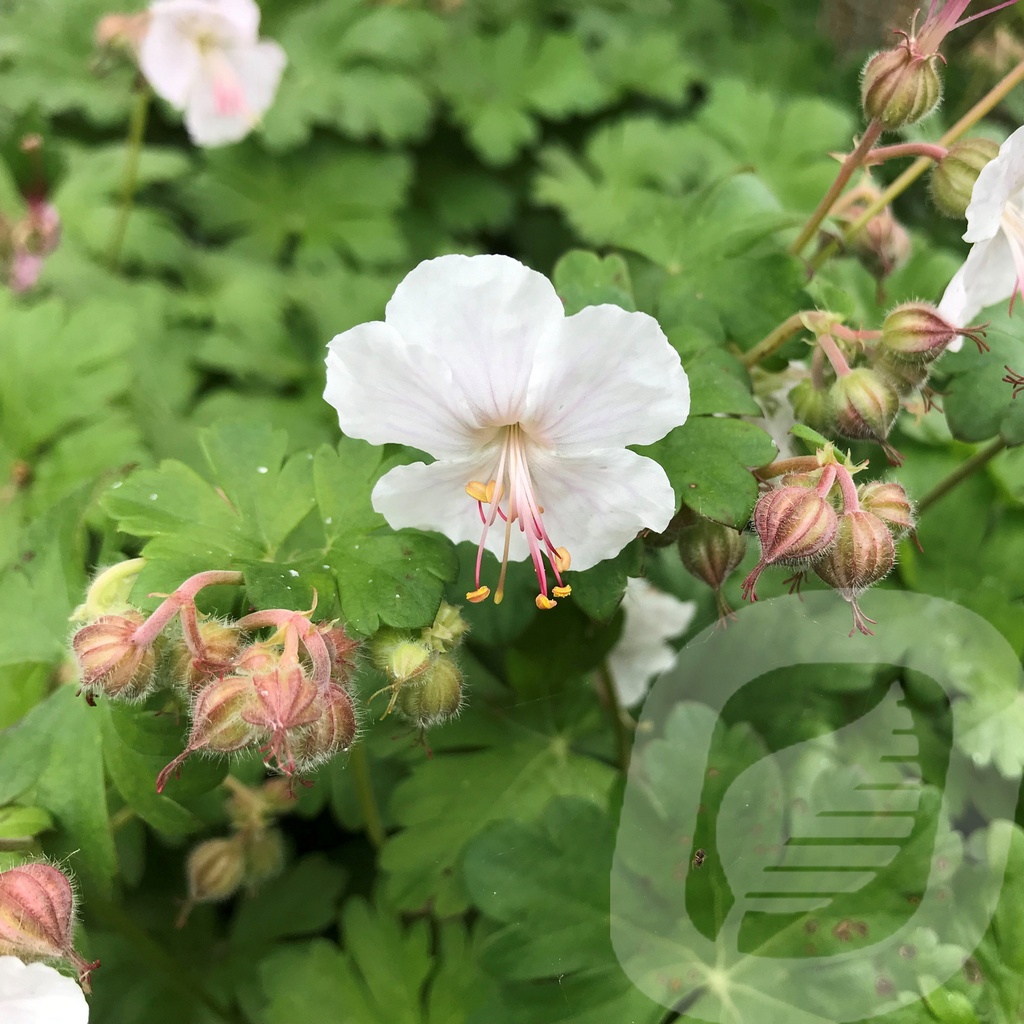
(899, 86)
(447, 630)
(813, 407)
(711, 551)
(866, 404)
(434, 698)
(264, 856)
(398, 655)
(953, 177)
(862, 554)
(902, 376)
(215, 869)
(109, 660)
(889, 502)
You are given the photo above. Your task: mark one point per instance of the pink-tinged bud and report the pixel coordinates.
(953, 177)
(109, 660)
(710, 552)
(220, 646)
(899, 86)
(342, 650)
(813, 406)
(37, 916)
(882, 245)
(218, 722)
(862, 554)
(866, 406)
(916, 333)
(333, 731)
(795, 525)
(434, 697)
(889, 502)
(215, 870)
(285, 704)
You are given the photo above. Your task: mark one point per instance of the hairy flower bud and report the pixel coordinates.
(813, 406)
(889, 502)
(899, 86)
(953, 177)
(795, 525)
(710, 552)
(37, 914)
(883, 245)
(902, 376)
(341, 649)
(215, 869)
(334, 729)
(221, 642)
(398, 655)
(862, 554)
(285, 704)
(866, 405)
(109, 660)
(435, 697)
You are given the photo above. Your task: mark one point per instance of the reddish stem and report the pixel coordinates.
(835, 356)
(903, 149)
(183, 596)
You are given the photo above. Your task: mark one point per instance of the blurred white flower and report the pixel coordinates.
(652, 618)
(994, 268)
(37, 994)
(205, 57)
(527, 411)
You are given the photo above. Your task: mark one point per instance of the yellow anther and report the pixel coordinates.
(481, 492)
(561, 591)
(562, 559)
(544, 603)
(476, 596)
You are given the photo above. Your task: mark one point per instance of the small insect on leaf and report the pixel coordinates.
(698, 857)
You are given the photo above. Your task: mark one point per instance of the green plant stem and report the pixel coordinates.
(360, 765)
(961, 473)
(130, 180)
(773, 341)
(919, 166)
(850, 164)
(618, 716)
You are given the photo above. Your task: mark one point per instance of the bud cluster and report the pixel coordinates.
(818, 519)
(424, 680)
(37, 917)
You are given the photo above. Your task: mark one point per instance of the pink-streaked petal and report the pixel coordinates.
(169, 60)
(259, 69)
(1000, 181)
(386, 391)
(610, 379)
(651, 618)
(596, 504)
(486, 317)
(37, 994)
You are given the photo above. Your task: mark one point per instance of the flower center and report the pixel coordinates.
(511, 496)
(1012, 223)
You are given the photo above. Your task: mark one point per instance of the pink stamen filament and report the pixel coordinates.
(514, 483)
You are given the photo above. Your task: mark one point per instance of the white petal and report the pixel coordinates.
(1000, 181)
(610, 379)
(987, 277)
(434, 498)
(255, 70)
(596, 504)
(385, 391)
(651, 618)
(169, 59)
(37, 994)
(954, 308)
(226, 21)
(485, 316)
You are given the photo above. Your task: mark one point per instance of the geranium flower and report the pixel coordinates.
(526, 411)
(994, 268)
(37, 994)
(651, 618)
(205, 57)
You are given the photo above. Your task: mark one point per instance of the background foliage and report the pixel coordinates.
(643, 152)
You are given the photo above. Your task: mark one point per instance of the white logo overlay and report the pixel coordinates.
(813, 883)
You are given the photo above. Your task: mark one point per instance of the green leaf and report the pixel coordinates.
(585, 279)
(23, 822)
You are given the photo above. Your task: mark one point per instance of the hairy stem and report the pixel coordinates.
(961, 473)
(130, 181)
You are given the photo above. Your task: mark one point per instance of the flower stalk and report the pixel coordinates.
(130, 179)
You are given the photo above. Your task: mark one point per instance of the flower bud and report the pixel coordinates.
(447, 630)
(221, 642)
(899, 87)
(264, 856)
(335, 729)
(866, 404)
(215, 869)
(342, 650)
(887, 500)
(710, 552)
(953, 177)
(902, 376)
(813, 406)
(435, 697)
(794, 525)
(862, 554)
(109, 660)
(285, 703)
(882, 245)
(37, 914)
(398, 655)
(916, 333)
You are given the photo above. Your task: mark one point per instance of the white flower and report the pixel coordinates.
(205, 57)
(526, 410)
(37, 994)
(652, 617)
(994, 268)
